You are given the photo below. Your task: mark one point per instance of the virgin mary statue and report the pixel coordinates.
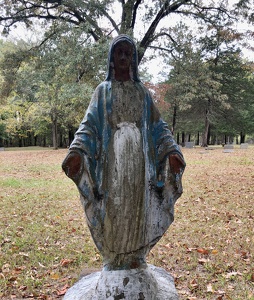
(125, 163)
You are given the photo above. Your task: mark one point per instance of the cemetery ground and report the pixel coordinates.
(46, 245)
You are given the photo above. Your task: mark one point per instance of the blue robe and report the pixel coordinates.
(160, 188)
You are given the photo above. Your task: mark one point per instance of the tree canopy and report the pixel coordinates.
(46, 82)
(209, 86)
(148, 21)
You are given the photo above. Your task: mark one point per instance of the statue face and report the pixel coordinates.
(123, 56)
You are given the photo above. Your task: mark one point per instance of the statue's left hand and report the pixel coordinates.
(176, 163)
(72, 165)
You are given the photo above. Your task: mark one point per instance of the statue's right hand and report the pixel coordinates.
(72, 165)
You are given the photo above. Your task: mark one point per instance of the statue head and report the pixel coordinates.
(122, 59)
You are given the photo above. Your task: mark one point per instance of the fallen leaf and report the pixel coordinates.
(191, 249)
(64, 262)
(63, 290)
(41, 265)
(43, 297)
(13, 278)
(25, 255)
(193, 284)
(14, 248)
(209, 288)
(54, 276)
(17, 271)
(220, 292)
(202, 251)
(6, 268)
(167, 246)
(203, 260)
(231, 274)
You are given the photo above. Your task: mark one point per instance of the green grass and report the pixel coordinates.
(30, 148)
(45, 243)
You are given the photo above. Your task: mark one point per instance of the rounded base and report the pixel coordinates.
(151, 283)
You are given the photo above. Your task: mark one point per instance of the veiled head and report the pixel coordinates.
(123, 52)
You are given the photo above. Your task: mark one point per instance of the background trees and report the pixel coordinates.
(49, 80)
(209, 86)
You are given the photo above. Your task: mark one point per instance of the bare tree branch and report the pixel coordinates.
(88, 12)
(105, 13)
(161, 48)
(134, 15)
(164, 34)
(165, 10)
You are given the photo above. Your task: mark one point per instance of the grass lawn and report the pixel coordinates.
(45, 244)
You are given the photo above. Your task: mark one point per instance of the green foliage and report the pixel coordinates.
(210, 86)
(49, 80)
(44, 92)
(238, 87)
(99, 19)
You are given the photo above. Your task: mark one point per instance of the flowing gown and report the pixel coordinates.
(124, 220)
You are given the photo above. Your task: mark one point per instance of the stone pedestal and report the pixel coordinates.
(151, 283)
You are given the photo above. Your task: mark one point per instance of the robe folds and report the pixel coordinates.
(126, 186)
(160, 187)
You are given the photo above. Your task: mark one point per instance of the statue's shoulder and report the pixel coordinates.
(143, 89)
(103, 85)
(99, 91)
(141, 85)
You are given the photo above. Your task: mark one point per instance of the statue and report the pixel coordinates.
(127, 168)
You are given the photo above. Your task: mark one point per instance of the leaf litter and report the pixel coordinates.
(45, 244)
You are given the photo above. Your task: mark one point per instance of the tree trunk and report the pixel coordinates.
(183, 139)
(174, 119)
(206, 132)
(54, 134)
(209, 134)
(70, 136)
(242, 137)
(213, 138)
(197, 139)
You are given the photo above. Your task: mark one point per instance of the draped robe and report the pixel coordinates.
(126, 186)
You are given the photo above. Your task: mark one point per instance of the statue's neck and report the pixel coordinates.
(122, 76)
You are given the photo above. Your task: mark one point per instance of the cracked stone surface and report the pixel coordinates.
(151, 283)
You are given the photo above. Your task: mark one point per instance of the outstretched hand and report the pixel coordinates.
(176, 163)
(72, 165)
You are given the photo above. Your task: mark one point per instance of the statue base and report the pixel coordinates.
(151, 283)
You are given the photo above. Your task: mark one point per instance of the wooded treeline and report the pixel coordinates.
(46, 83)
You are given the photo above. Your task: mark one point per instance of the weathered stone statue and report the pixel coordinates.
(128, 170)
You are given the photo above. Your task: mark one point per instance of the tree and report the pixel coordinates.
(224, 58)
(44, 83)
(237, 82)
(71, 54)
(195, 90)
(208, 84)
(98, 20)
